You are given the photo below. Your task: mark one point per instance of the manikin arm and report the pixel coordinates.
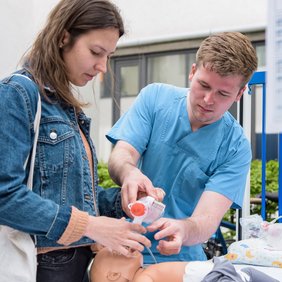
(109, 266)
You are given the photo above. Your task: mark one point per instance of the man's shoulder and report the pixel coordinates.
(163, 90)
(232, 128)
(230, 121)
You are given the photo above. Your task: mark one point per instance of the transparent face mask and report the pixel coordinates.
(146, 210)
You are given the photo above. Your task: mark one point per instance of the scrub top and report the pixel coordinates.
(184, 163)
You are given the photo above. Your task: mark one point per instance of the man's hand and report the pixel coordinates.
(193, 230)
(123, 170)
(173, 231)
(135, 186)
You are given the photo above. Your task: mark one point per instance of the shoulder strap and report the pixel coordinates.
(36, 132)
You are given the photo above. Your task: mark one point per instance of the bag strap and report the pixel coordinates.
(36, 132)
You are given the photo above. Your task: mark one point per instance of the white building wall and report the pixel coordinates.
(146, 21)
(156, 20)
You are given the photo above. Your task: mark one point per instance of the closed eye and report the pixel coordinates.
(95, 53)
(223, 94)
(205, 86)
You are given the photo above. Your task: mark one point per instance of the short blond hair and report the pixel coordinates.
(228, 53)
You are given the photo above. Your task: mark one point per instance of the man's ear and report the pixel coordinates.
(192, 71)
(240, 94)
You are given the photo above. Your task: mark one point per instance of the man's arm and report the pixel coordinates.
(193, 230)
(206, 217)
(123, 161)
(123, 169)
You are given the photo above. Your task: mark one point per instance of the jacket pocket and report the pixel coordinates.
(55, 145)
(54, 159)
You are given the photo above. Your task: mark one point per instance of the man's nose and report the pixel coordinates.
(209, 97)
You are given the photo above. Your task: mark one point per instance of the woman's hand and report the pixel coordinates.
(117, 234)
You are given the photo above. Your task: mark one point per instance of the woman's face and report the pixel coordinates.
(89, 54)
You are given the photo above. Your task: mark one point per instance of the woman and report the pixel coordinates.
(62, 211)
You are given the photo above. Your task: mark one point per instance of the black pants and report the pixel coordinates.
(64, 265)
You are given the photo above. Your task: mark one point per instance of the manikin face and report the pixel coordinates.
(89, 54)
(112, 267)
(211, 95)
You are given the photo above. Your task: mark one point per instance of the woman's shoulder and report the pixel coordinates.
(22, 90)
(21, 83)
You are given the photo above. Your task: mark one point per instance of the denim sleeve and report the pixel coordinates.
(110, 202)
(21, 208)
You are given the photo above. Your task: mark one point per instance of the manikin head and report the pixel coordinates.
(109, 266)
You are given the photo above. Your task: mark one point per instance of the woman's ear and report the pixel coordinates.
(65, 39)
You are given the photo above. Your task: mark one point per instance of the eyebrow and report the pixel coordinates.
(221, 91)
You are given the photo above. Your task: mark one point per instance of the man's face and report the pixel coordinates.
(211, 95)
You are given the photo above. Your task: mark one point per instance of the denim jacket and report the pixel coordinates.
(62, 176)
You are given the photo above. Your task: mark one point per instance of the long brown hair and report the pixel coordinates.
(44, 60)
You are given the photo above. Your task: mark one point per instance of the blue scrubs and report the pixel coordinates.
(184, 163)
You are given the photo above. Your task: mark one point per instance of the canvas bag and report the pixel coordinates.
(18, 261)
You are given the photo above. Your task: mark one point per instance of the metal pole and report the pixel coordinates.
(280, 177)
(263, 155)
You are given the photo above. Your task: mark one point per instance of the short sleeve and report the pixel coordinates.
(229, 179)
(136, 124)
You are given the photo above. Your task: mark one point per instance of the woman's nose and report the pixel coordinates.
(101, 65)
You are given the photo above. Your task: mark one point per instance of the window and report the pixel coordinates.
(169, 69)
(260, 49)
(124, 79)
(132, 73)
(129, 80)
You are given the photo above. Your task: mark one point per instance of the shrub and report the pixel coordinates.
(272, 168)
(255, 179)
(271, 182)
(104, 177)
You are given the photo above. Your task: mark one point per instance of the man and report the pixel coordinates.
(186, 142)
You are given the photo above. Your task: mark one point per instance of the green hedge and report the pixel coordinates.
(255, 181)
(271, 182)
(271, 177)
(255, 178)
(255, 189)
(104, 177)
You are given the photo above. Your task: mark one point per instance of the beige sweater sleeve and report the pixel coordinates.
(76, 227)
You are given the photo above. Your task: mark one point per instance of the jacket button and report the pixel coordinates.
(87, 197)
(53, 135)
